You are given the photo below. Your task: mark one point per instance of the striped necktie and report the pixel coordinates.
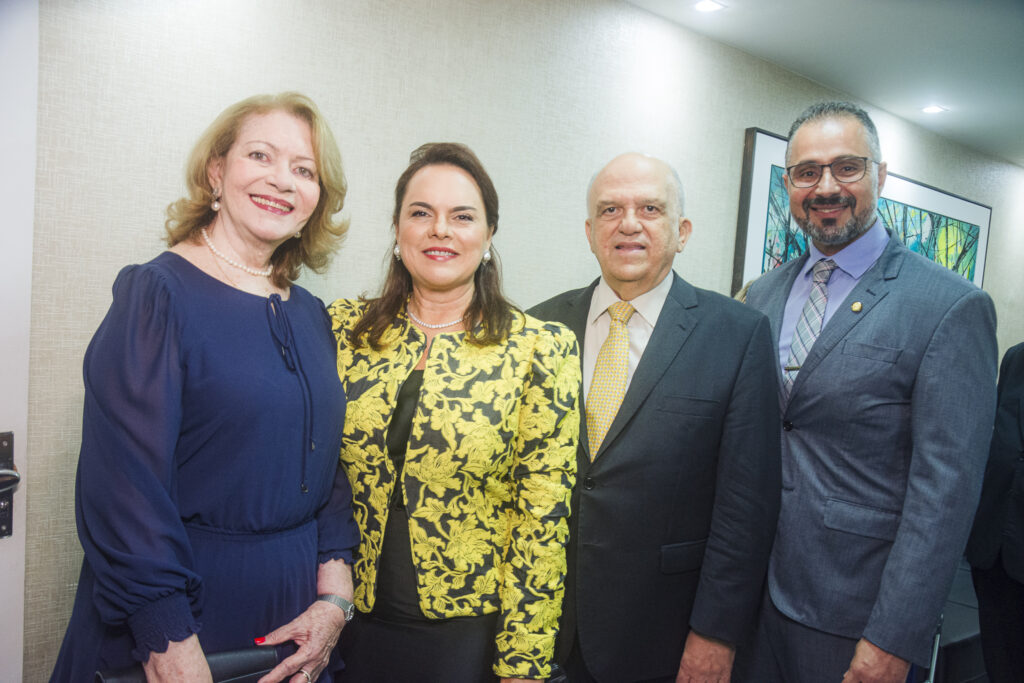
(808, 327)
(608, 386)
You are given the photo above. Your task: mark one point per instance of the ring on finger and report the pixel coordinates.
(309, 679)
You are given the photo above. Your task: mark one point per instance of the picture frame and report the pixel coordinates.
(946, 228)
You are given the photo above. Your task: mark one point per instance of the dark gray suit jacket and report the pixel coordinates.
(672, 523)
(884, 442)
(999, 523)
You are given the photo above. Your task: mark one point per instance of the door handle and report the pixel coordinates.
(9, 480)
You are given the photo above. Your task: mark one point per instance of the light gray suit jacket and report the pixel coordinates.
(884, 442)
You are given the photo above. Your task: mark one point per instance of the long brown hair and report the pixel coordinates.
(322, 233)
(488, 318)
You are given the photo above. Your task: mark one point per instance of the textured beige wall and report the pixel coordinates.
(544, 90)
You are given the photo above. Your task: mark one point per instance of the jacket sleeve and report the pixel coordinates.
(128, 522)
(747, 495)
(990, 532)
(952, 410)
(534, 567)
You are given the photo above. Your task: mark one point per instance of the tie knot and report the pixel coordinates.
(621, 311)
(823, 270)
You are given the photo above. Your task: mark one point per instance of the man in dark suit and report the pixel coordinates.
(996, 547)
(887, 390)
(677, 489)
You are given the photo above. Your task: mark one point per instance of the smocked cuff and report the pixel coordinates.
(328, 555)
(155, 624)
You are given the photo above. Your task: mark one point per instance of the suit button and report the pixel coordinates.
(588, 483)
(787, 425)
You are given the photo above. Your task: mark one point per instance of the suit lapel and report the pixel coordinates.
(873, 286)
(576, 319)
(775, 301)
(775, 308)
(1020, 420)
(675, 323)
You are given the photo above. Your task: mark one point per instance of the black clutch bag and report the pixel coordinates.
(232, 666)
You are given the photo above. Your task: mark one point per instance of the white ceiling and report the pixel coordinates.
(897, 55)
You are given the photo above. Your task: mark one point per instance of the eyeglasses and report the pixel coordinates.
(845, 170)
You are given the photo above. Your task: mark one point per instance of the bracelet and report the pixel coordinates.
(346, 606)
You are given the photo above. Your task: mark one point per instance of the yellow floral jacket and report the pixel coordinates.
(488, 473)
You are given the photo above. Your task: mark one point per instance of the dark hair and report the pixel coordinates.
(321, 235)
(831, 110)
(488, 318)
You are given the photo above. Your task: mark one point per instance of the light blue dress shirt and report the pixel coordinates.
(852, 261)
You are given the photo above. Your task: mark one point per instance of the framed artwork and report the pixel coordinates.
(950, 230)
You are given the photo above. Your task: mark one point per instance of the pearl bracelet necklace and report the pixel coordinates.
(231, 262)
(428, 325)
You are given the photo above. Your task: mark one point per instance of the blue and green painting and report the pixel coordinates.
(949, 242)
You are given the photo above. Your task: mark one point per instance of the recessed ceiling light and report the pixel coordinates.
(934, 109)
(708, 6)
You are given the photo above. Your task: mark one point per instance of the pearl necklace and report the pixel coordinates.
(439, 326)
(231, 262)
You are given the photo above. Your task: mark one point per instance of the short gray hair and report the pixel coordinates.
(832, 110)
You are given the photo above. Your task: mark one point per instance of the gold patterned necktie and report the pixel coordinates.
(608, 386)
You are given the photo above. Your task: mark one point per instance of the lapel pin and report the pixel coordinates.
(856, 306)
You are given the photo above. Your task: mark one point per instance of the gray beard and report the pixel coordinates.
(833, 234)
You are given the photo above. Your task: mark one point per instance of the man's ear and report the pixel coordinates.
(685, 230)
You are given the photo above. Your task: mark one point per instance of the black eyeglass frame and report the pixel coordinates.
(822, 167)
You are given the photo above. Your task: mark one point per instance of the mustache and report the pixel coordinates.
(834, 200)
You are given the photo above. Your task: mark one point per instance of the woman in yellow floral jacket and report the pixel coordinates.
(460, 445)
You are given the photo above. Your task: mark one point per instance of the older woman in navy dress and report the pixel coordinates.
(209, 501)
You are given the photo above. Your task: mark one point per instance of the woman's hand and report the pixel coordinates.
(183, 661)
(316, 633)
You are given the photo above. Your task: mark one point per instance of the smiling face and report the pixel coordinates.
(635, 228)
(833, 214)
(268, 181)
(442, 230)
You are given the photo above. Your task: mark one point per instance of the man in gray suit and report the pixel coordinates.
(887, 392)
(678, 485)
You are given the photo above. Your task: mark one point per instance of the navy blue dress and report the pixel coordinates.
(208, 484)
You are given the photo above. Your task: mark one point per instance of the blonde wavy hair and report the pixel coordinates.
(322, 233)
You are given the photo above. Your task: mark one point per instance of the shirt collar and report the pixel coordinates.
(648, 305)
(856, 257)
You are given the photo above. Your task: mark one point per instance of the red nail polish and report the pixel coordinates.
(259, 641)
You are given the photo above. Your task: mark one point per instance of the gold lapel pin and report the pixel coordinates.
(856, 306)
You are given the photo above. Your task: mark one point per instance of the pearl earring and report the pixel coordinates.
(298, 235)
(216, 199)
(398, 253)
(487, 256)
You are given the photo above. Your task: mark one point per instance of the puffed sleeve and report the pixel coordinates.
(128, 521)
(533, 574)
(337, 531)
